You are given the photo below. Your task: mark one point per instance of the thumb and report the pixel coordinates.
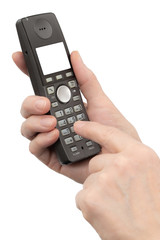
(109, 137)
(19, 60)
(88, 82)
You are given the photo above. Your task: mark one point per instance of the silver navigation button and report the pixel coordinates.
(63, 94)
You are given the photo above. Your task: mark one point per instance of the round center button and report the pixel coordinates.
(63, 94)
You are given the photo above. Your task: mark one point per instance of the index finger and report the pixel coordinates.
(108, 137)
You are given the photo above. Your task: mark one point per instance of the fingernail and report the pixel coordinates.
(46, 122)
(40, 104)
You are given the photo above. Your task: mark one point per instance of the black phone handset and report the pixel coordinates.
(51, 73)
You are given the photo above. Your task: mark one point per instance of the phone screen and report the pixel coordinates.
(53, 58)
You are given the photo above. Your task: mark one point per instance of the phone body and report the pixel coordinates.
(48, 61)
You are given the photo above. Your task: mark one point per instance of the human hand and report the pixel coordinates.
(121, 196)
(99, 109)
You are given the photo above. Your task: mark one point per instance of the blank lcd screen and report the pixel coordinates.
(53, 58)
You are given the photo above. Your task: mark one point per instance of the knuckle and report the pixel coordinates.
(102, 178)
(105, 179)
(143, 157)
(27, 99)
(89, 204)
(91, 74)
(25, 102)
(22, 129)
(31, 148)
(27, 129)
(93, 164)
(106, 136)
(121, 164)
(149, 156)
(25, 107)
(34, 145)
(77, 199)
(133, 132)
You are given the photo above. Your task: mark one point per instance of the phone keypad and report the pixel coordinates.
(70, 121)
(74, 110)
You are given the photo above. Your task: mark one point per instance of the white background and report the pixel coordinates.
(120, 42)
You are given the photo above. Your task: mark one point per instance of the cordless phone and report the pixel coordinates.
(48, 61)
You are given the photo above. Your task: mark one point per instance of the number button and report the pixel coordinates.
(71, 119)
(62, 123)
(77, 138)
(72, 129)
(68, 110)
(68, 140)
(65, 131)
(80, 116)
(59, 114)
(77, 108)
